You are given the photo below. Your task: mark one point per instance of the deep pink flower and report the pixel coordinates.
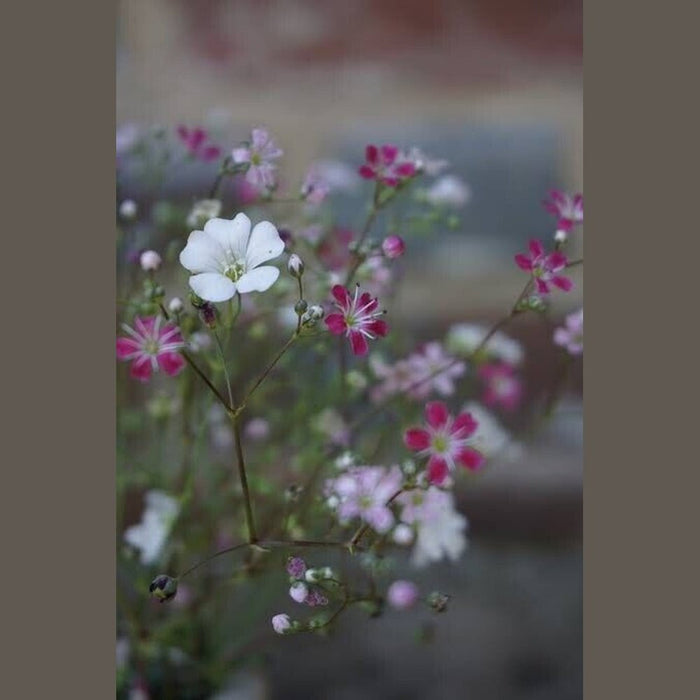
(568, 209)
(359, 318)
(445, 440)
(544, 267)
(502, 386)
(195, 141)
(151, 346)
(386, 165)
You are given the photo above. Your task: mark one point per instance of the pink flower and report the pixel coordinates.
(544, 267)
(281, 623)
(402, 595)
(364, 492)
(260, 155)
(445, 441)
(570, 336)
(195, 141)
(567, 209)
(502, 385)
(151, 347)
(296, 567)
(393, 246)
(386, 165)
(358, 318)
(299, 591)
(315, 187)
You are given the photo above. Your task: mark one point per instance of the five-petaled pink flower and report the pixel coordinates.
(445, 440)
(544, 267)
(568, 209)
(359, 318)
(260, 155)
(195, 141)
(502, 386)
(386, 165)
(151, 345)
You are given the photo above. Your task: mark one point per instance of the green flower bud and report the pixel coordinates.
(163, 587)
(438, 601)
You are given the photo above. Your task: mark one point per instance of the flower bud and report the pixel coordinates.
(128, 209)
(298, 591)
(175, 305)
(438, 601)
(313, 314)
(393, 246)
(403, 534)
(163, 587)
(295, 265)
(402, 595)
(208, 314)
(560, 236)
(281, 623)
(150, 260)
(300, 307)
(296, 567)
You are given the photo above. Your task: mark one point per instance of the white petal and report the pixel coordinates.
(265, 244)
(232, 234)
(212, 286)
(258, 280)
(202, 253)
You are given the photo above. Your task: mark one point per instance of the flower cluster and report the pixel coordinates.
(387, 165)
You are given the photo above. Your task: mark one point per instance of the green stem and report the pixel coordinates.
(250, 523)
(207, 381)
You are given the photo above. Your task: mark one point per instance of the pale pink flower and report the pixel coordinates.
(567, 208)
(363, 492)
(402, 595)
(570, 336)
(446, 441)
(257, 429)
(150, 260)
(440, 527)
(260, 155)
(315, 188)
(435, 370)
(358, 319)
(196, 143)
(386, 165)
(298, 591)
(502, 386)
(544, 267)
(151, 345)
(393, 246)
(281, 623)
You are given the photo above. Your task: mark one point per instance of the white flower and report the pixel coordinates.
(175, 305)
(128, 209)
(281, 623)
(424, 163)
(464, 338)
(440, 527)
(150, 535)
(202, 211)
(449, 191)
(227, 258)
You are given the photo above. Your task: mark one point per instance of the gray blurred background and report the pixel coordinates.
(494, 86)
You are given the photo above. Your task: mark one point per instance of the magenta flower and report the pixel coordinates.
(195, 141)
(151, 347)
(570, 336)
(567, 209)
(386, 165)
(393, 246)
(544, 267)
(260, 155)
(502, 385)
(445, 440)
(359, 318)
